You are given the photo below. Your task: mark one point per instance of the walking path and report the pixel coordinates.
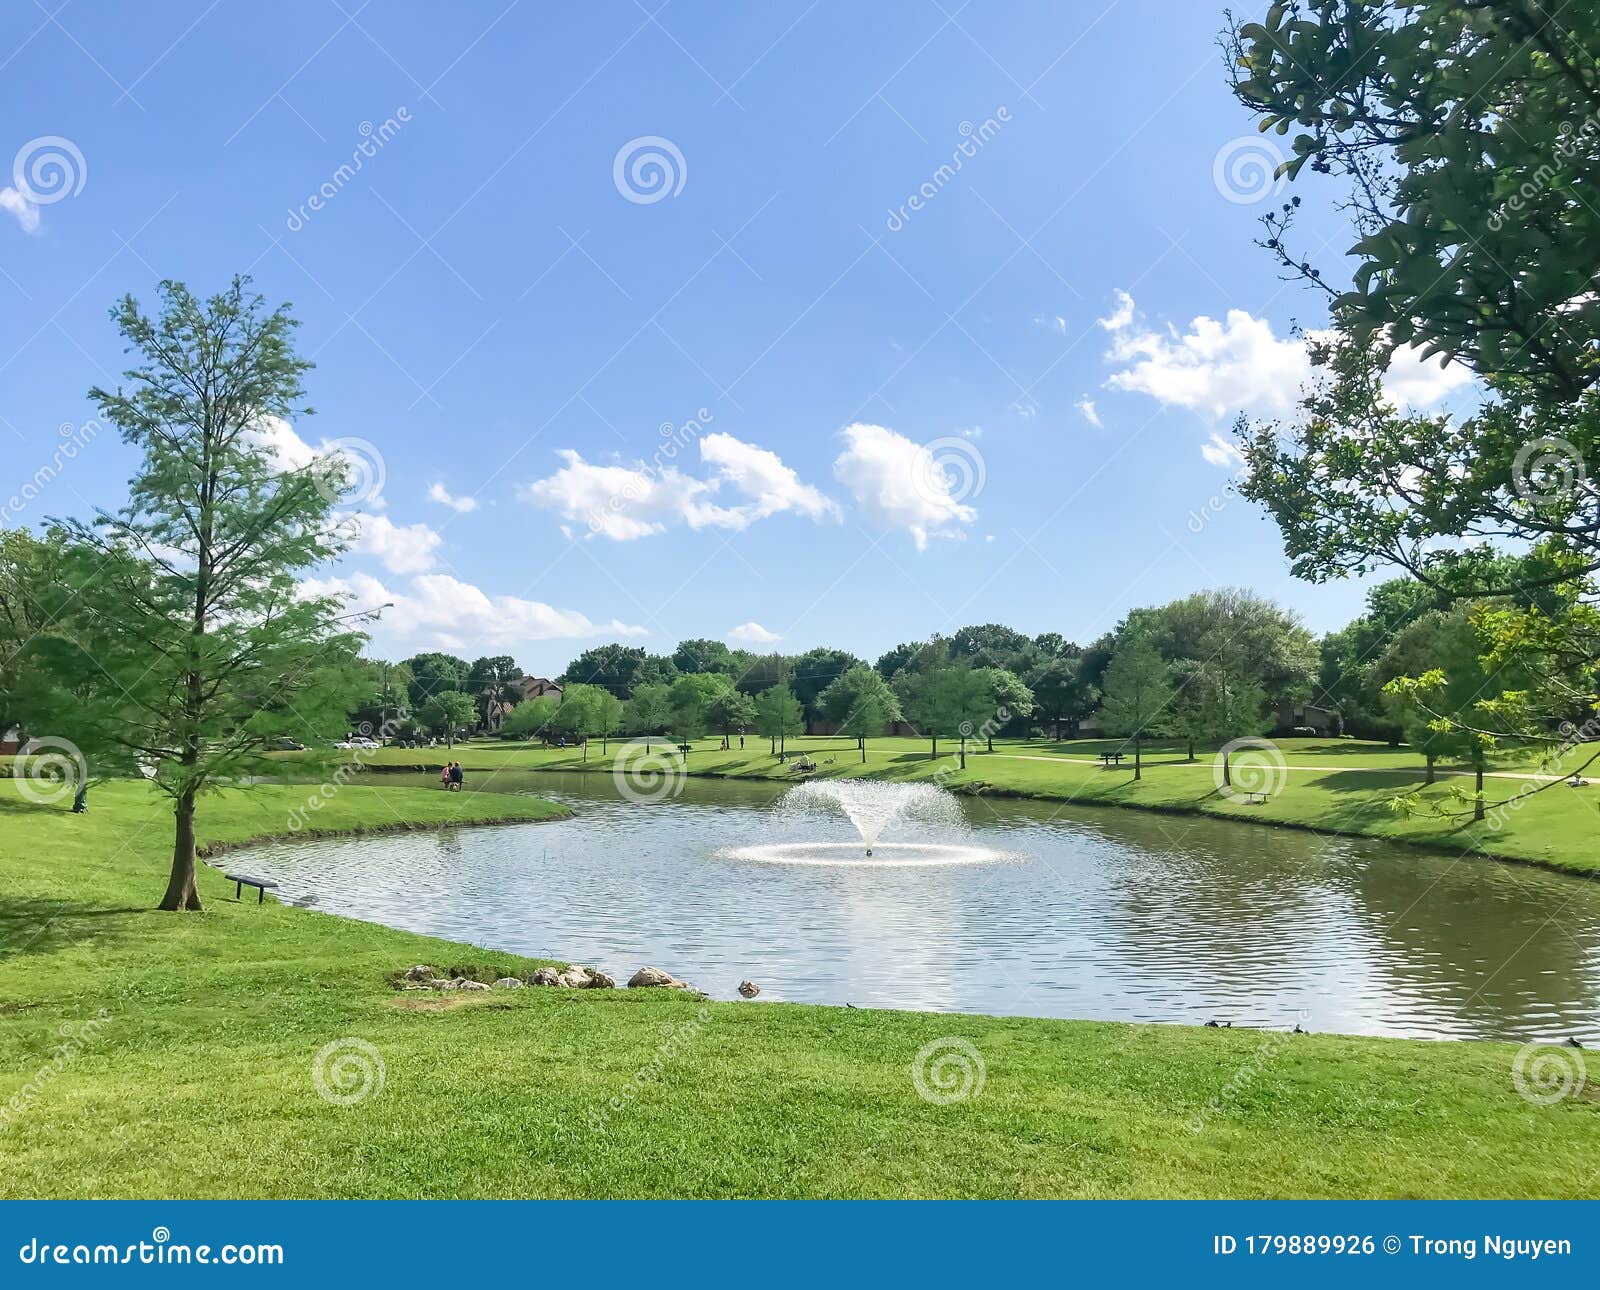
(1414, 772)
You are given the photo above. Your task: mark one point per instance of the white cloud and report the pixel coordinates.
(460, 505)
(1218, 369)
(1221, 452)
(1121, 316)
(618, 502)
(752, 634)
(623, 503)
(288, 451)
(1052, 322)
(442, 612)
(899, 486)
(26, 212)
(1086, 406)
(403, 548)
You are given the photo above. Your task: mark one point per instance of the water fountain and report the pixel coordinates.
(872, 809)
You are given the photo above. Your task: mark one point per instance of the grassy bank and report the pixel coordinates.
(198, 1079)
(1338, 786)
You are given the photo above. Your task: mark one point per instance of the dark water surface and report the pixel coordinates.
(1087, 913)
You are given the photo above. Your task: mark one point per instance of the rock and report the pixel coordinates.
(653, 976)
(545, 976)
(598, 980)
(471, 985)
(508, 983)
(749, 989)
(576, 976)
(422, 972)
(445, 983)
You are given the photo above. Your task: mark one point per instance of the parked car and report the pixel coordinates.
(286, 745)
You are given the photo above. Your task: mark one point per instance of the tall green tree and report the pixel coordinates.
(1009, 699)
(861, 703)
(648, 711)
(692, 695)
(1135, 695)
(530, 717)
(448, 713)
(189, 595)
(778, 714)
(815, 671)
(614, 666)
(491, 681)
(730, 711)
(433, 673)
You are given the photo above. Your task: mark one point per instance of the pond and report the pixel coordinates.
(1045, 911)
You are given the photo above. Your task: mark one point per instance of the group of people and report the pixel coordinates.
(451, 777)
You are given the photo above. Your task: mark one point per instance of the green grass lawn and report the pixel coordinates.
(198, 1081)
(1336, 785)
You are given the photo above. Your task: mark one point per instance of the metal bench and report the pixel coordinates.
(1255, 799)
(241, 881)
(1109, 758)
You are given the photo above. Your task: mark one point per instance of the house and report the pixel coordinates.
(1294, 716)
(537, 687)
(10, 743)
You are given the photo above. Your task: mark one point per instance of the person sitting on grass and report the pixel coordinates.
(444, 776)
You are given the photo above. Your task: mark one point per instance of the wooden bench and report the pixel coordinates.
(1111, 759)
(241, 881)
(1255, 799)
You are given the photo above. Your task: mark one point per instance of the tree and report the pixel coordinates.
(27, 571)
(692, 695)
(612, 666)
(1469, 137)
(530, 717)
(993, 645)
(862, 704)
(815, 671)
(648, 711)
(952, 700)
(586, 712)
(189, 597)
(1232, 698)
(1061, 692)
(434, 673)
(1008, 697)
(1137, 689)
(1268, 640)
(703, 656)
(448, 713)
(1468, 133)
(1440, 691)
(778, 714)
(729, 711)
(491, 681)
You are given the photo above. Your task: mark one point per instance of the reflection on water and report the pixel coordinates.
(1112, 914)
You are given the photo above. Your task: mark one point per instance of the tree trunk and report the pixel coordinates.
(963, 752)
(1138, 761)
(1477, 800)
(934, 755)
(181, 891)
(1429, 779)
(1227, 772)
(991, 743)
(863, 745)
(1191, 750)
(773, 749)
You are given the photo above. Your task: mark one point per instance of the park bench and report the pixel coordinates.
(241, 881)
(1255, 799)
(1111, 759)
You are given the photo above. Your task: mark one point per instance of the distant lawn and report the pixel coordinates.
(1558, 828)
(198, 1082)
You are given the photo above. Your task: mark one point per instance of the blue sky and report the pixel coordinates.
(889, 417)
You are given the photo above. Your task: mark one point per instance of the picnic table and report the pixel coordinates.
(1111, 758)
